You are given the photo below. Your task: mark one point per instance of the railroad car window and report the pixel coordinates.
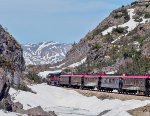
(113, 80)
(104, 80)
(107, 80)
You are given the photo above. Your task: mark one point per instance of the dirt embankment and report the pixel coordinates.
(105, 95)
(142, 111)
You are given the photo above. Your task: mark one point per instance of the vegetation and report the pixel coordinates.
(138, 19)
(34, 77)
(139, 38)
(134, 3)
(108, 38)
(122, 13)
(139, 66)
(147, 15)
(118, 30)
(98, 31)
(96, 46)
(24, 87)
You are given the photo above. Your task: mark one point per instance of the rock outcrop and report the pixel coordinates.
(11, 62)
(36, 111)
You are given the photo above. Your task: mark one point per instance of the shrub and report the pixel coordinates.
(99, 30)
(138, 38)
(138, 20)
(118, 30)
(96, 46)
(124, 13)
(147, 15)
(140, 65)
(34, 77)
(24, 87)
(134, 3)
(108, 38)
(96, 32)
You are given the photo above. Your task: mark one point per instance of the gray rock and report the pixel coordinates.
(37, 111)
(11, 66)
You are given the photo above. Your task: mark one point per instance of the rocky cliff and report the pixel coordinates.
(118, 42)
(11, 62)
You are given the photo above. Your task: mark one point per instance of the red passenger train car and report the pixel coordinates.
(123, 83)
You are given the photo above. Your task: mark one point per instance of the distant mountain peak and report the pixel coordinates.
(45, 52)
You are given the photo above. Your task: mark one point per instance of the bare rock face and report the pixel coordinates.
(36, 111)
(11, 62)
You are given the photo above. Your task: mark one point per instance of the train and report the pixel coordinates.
(127, 84)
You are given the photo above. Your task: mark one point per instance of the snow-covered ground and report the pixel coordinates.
(70, 103)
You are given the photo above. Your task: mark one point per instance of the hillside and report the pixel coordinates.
(119, 44)
(45, 52)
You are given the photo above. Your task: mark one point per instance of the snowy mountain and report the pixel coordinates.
(45, 52)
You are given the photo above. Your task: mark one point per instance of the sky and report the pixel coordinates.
(65, 21)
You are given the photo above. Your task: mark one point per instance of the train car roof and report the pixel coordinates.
(105, 76)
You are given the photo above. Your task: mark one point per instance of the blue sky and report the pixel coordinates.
(67, 21)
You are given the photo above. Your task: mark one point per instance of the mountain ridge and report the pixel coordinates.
(45, 52)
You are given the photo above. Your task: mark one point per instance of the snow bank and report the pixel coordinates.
(45, 73)
(77, 63)
(70, 103)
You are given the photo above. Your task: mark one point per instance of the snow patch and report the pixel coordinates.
(77, 63)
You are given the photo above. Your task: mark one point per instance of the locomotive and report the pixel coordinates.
(123, 83)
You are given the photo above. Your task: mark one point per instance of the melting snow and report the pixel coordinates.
(131, 24)
(77, 63)
(70, 103)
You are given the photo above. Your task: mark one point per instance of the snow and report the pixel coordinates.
(4, 113)
(45, 73)
(70, 103)
(111, 72)
(60, 65)
(45, 52)
(131, 24)
(77, 63)
(116, 39)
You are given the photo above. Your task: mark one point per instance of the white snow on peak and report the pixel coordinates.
(45, 73)
(77, 63)
(131, 24)
(70, 103)
(45, 52)
(45, 44)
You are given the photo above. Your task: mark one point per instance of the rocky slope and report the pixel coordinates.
(11, 64)
(45, 52)
(120, 40)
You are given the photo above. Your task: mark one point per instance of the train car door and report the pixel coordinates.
(147, 86)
